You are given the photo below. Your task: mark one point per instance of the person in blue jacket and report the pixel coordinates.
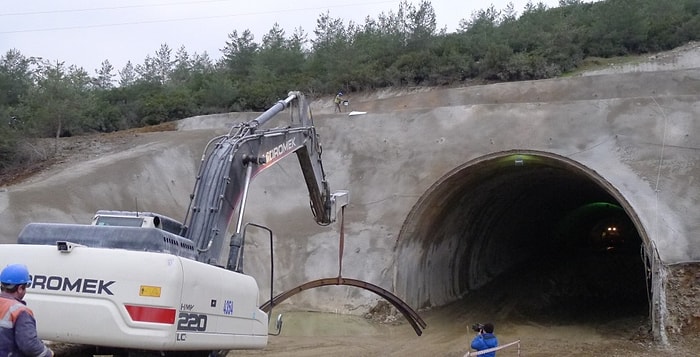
(18, 335)
(485, 340)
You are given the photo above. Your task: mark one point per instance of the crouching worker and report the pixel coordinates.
(485, 339)
(18, 336)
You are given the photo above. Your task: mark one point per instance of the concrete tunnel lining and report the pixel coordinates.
(499, 212)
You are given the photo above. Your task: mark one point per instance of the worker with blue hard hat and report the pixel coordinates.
(18, 335)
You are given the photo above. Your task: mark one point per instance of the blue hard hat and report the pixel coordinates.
(15, 274)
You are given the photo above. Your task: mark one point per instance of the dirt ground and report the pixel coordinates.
(541, 330)
(518, 312)
(309, 334)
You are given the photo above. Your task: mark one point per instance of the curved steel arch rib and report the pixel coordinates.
(416, 321)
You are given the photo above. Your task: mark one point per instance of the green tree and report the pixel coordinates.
(332, 55)
(481, 32)
(374, 50)
(148, 71)
(58, 102)
(239, 54)
(128, 75)
(105, 76)
(422, 25)
(163, 63)
(279, 66)
(618, 27)
(182, 67)
(15, 77)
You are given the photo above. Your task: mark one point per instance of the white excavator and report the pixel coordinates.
(141, 281)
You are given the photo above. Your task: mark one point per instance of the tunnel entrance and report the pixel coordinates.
(538, 235)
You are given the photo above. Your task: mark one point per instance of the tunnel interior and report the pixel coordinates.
(534, 232)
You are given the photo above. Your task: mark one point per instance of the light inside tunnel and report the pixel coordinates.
(609, 228)
(544, 237)
(518, 160)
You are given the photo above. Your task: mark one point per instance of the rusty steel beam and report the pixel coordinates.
(416, 321)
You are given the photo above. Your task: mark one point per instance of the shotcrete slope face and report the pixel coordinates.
(535, 196)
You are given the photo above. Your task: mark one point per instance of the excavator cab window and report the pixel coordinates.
(119, 221)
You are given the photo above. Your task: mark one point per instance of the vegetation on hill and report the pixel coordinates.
(41, 98)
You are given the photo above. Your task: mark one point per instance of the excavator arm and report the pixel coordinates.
(231, 161)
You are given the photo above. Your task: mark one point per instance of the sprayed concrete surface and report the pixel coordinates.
(452, 192)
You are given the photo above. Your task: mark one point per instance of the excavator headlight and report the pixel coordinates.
(66, 247)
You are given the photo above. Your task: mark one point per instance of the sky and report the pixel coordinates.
(87, 32)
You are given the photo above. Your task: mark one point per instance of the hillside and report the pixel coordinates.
(47, 153)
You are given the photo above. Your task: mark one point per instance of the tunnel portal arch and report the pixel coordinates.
(550, 231)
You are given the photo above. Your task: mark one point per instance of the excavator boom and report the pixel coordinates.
(231, 161)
